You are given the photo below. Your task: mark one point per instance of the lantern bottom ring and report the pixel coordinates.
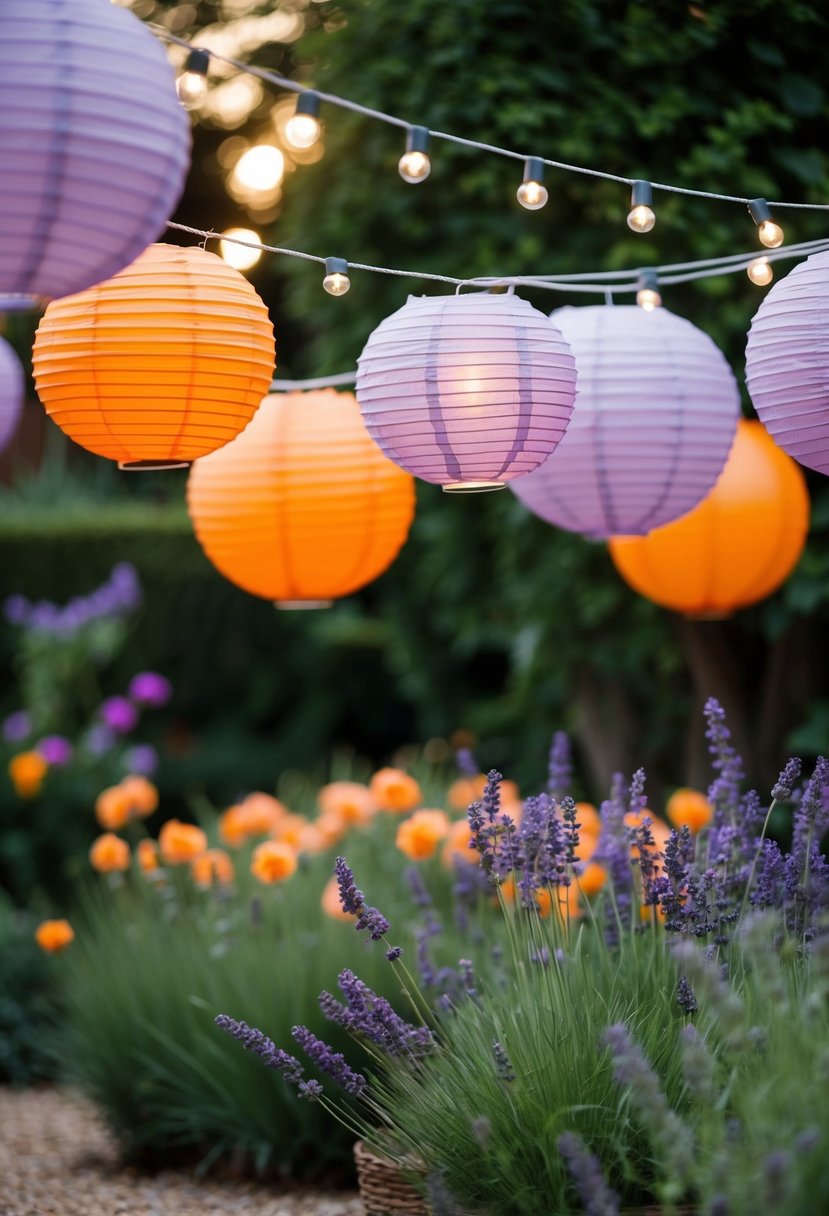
(473, 487)
(151, 466)
(17, 301)
(291, 605)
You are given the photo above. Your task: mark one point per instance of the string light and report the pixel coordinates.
(191, 85)
(647, 294)
(531, 194)
(336, 281)
(769, 232)
(414, 164)
(641, 217)
(236, 253)
(303, 128)
(261, 168)
(760, 271)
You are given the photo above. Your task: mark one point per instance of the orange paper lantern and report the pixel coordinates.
(163, 363)
(303, 507)
(738, 546)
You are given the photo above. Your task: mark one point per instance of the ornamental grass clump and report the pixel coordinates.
(663, 1039)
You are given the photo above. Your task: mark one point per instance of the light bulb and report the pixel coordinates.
(760, 271)
(241, 257)
(336, 281)
(641, 218)
(192, 89)
(414, 165)
(302, 130)
(648, 298)
(191, 85)
(531, 193)
(770, 234)
(260, 168)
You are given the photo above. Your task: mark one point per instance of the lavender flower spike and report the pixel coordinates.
(596, 1196)
(503, 1066)
(787, 780)
(560, 767)
(330, 1061)
(254, 1040)
(352, 899)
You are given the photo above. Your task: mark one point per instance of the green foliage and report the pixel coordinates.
(29, 1009)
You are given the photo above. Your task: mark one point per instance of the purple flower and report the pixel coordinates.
(55, 750)
(559, 768)
(254, 1040)
(17, 727)
(372, 1016)
(150, 689)
(699, 1068)
(329, 1061)
(311, 1091)
(685, 997)
(724, 792)
(596, 1196)
(466, 762)
(119, 714)
(141, 759)
(503, 1065)
(17, 609)
(787, 780)
(99, 739)
(351, 897)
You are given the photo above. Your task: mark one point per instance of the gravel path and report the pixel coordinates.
(56, 1159)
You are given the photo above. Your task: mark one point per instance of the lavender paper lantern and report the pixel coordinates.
(466, 391)
(787, 362)
(11, 393)
(94, 145)
(655, 417)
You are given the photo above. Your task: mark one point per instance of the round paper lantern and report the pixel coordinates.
(303, 507)
(787, 362)
(11, 392)
(655, 416)
(736, 547)
(94, 143)
(466, 391)
(163, 363)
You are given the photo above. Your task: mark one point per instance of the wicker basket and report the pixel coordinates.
(383, 1189)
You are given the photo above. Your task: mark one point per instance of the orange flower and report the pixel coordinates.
(687, 807)
(54, 935)
(351, 800)
(263, 813)
(659, 828)
(587, 817)
(419, 836)
(466, 790)
(181, 842)
(330, 827)
(292, 830)
(27, 770)
(141, 795)
(565, 899)
(330, 902)
(394, 790)
(273, 861)
(457, 845)
(109, 853)
(147, 856)
(651, 912)
(211, 867)
(593, 879)
(113, 808)
(234, 826)
(586, 847)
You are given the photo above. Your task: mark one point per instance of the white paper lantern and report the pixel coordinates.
(94, 145)
(11, 393)
(466, 391)
(655, 417)
(787, 362)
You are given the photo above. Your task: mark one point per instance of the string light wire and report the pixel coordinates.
(345, 103)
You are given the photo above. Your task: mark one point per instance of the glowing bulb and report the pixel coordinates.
(260, 168)
(760, 271)
(532, 195)
(648, 298)
(336, 281)
(241, 257)
(302, 130)
(641, 218)
(414, 165)
(770, 234)
(191, 85)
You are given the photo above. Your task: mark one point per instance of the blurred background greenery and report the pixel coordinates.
(490, 623)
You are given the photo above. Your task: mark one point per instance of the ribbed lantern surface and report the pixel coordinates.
(11, 392)
(655, 416)
(467, 391)
(161, 364)
(303, 507)
(787, 362)
(736, 547)
(94, 145)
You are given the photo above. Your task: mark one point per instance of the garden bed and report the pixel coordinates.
(56, 1157)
